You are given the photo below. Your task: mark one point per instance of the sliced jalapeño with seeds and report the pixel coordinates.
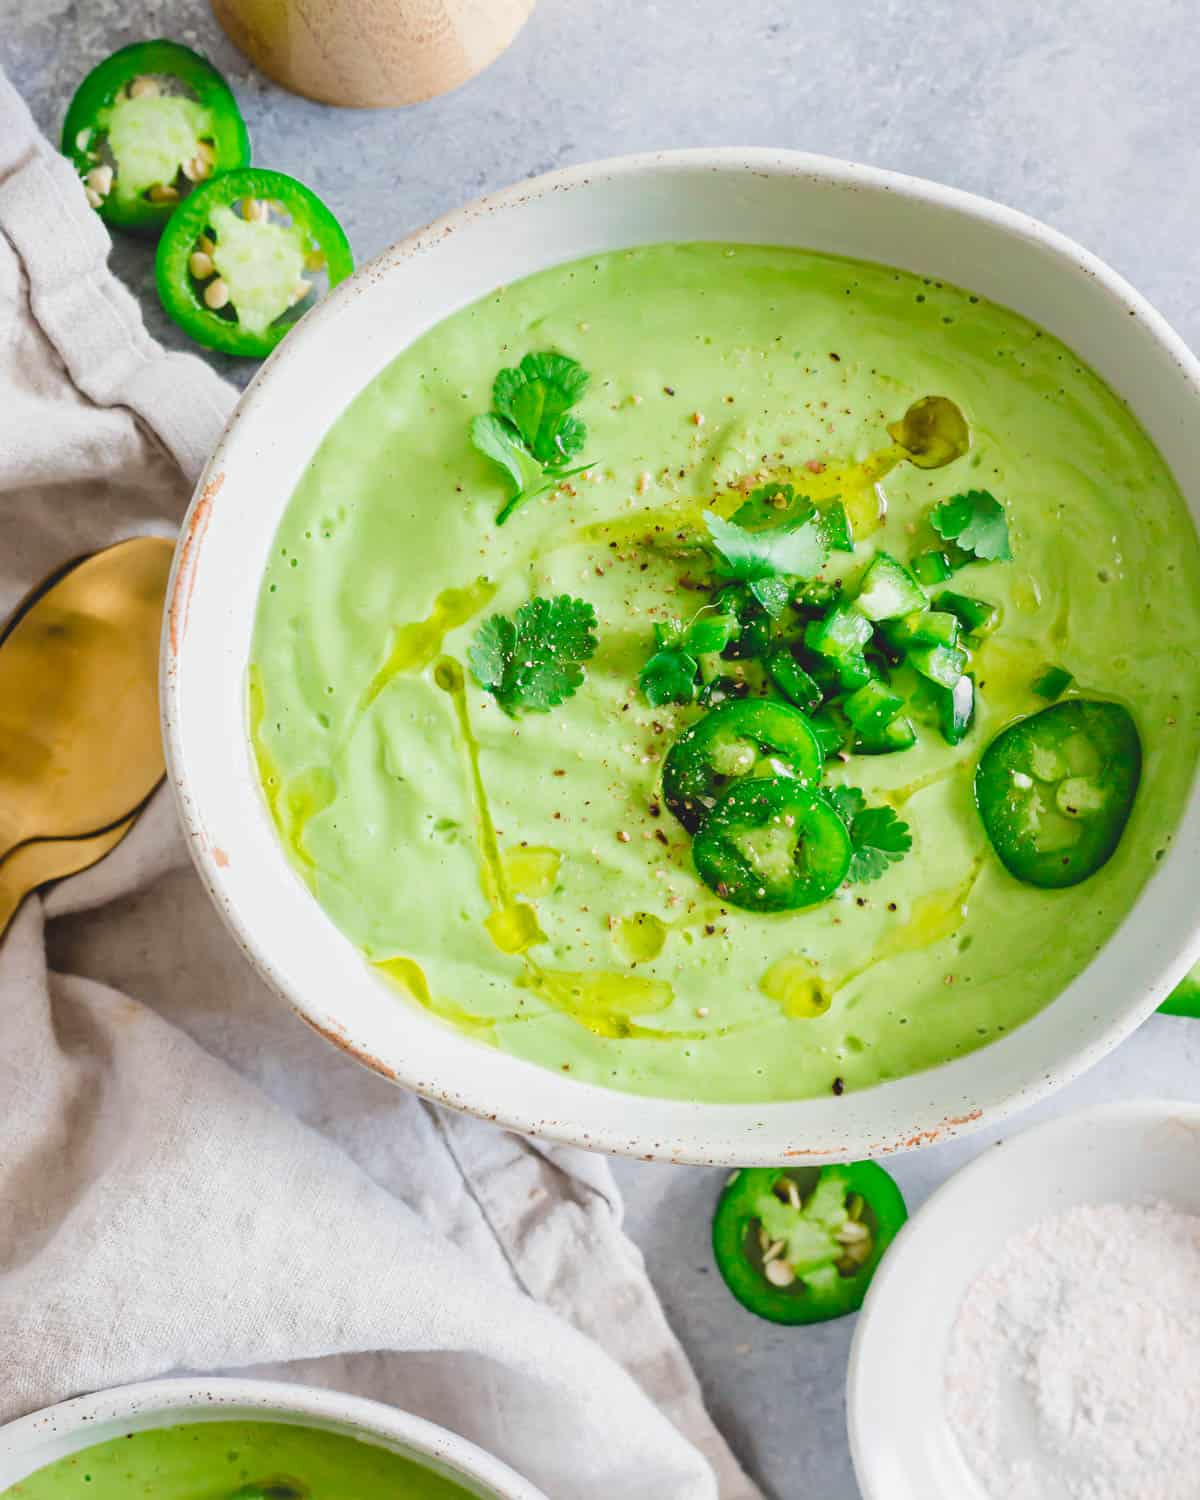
(739, 738)
(1055, 790)
(801, 1245)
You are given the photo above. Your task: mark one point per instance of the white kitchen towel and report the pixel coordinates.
(190, 1180)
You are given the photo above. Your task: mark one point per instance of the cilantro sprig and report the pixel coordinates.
(766, 559)
(535, 659)
(530, 432)
(773, 505)
(977, 523)
(669, 675)
(880, 838)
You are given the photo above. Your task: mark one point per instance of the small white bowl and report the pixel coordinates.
(35, 1441)
(755, 197)
(901, 1442)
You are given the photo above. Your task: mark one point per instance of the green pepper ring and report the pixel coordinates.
(691, 785)
(733, 1231)
(761, 803)
(231, 142)
(1184, 999)
(177, 288)
(1113, 736)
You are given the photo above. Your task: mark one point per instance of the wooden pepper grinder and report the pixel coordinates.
(371, 53)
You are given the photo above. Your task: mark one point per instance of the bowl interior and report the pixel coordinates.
(753, 197)
(35, 1441)
(902, 1443)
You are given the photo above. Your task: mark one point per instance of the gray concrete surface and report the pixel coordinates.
(1085, 113)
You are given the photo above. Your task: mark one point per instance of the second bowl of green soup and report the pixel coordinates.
(696, 656)
(235, 1439)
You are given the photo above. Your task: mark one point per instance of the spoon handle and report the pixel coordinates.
(42, 860)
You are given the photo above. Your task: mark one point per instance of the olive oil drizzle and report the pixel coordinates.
(798, 987)
(603, 1001)
(293, 800)
(931, 433)
(641, 936)
(512, 925)
(934, 918)
(416, 644)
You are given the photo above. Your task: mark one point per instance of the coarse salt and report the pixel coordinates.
(1074, 1363)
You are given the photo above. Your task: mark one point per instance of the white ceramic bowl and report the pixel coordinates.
(901, 1442)
(31, 1443)
(755, 197)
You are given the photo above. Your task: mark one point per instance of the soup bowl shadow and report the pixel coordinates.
(749, 196)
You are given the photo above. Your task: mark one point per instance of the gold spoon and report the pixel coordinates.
(39, 861)
(79, 735)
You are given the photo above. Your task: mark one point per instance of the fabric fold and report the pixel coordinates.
(189, 1179)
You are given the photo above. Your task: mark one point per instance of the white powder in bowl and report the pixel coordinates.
(1074, 1365)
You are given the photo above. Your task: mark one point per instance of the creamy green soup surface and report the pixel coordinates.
(712, 367)
(235, 1461)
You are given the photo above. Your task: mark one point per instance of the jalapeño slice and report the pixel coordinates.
(145, 126)
(772, 845)
(1184, 999)
(801, 1246)
(1055, 790)
(233, 265)
(740, 738)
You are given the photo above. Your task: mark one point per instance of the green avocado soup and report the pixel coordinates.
(520, 877)
(235, 1461)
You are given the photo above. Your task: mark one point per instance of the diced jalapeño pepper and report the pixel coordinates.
(792, 680)
(816, 594)
(872, 708)
(931, 568)
(710, 633)
(976, 616)
(888, 590)
(956, 709)
(931, 627)
(941, 664)
(832, 730)
(1053, 683)
(840, 637)
(835, 528)
(899, 735)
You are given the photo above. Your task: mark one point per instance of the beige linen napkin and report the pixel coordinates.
(189, 1179)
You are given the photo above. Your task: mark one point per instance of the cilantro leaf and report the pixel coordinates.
(502, 443)
(772, 553)
(530, 432)
(535, 398)
(774, 594)
(848, 802)
(669, 676)
(977, 522)
(535, 660)
(879, 837)
(491, 651)
(773, 505)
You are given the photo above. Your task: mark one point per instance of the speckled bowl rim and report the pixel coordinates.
(1157, 943)
(228, 1398)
